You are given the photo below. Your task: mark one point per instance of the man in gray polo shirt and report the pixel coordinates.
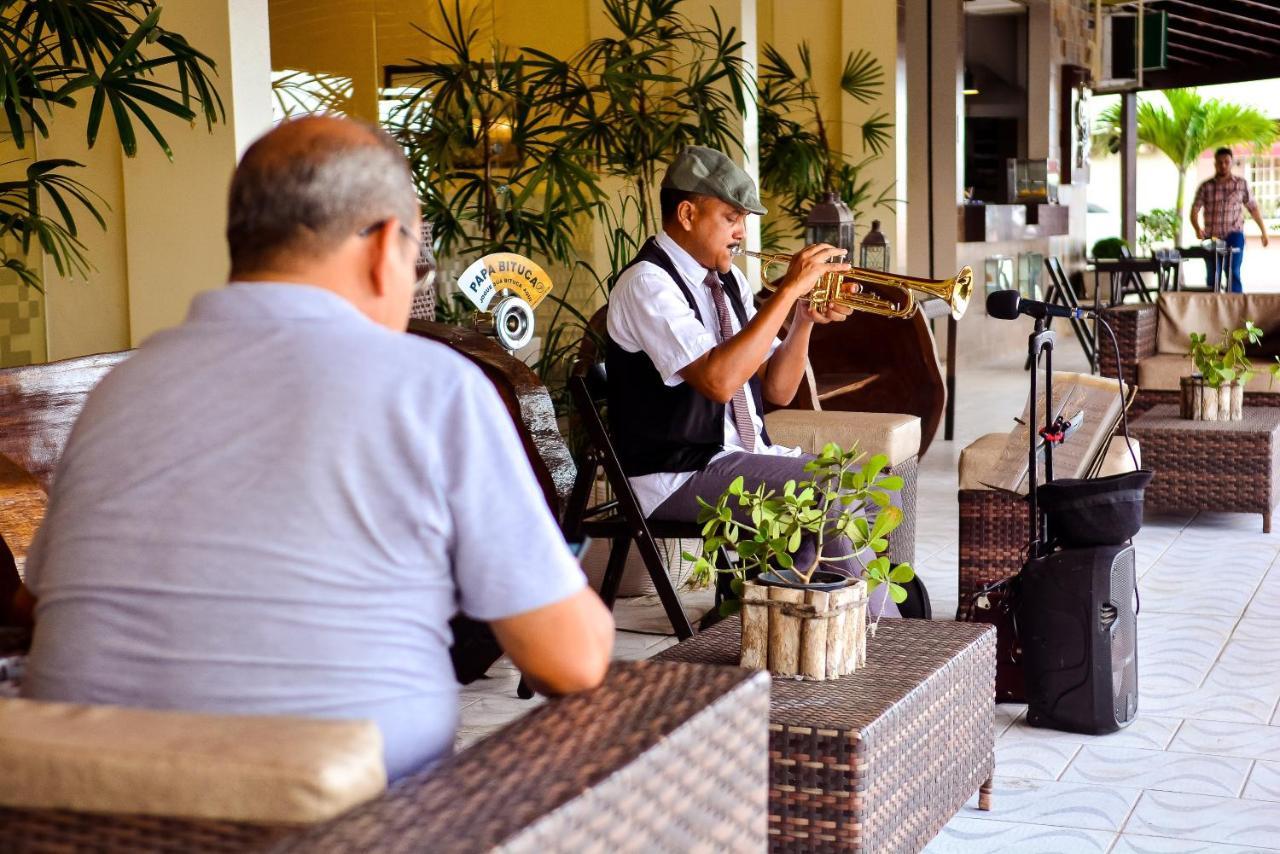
(277, 506)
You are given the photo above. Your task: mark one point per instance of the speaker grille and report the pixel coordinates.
(1124, 637)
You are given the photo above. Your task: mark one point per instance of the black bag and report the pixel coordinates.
(474, 650)
(917, 605)
(1098, 511)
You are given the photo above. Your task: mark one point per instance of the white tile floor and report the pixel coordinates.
(1198, 771)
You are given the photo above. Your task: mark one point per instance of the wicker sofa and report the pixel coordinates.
(1154, 340)
(661, 757)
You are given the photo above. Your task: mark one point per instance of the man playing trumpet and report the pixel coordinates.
(690, 360)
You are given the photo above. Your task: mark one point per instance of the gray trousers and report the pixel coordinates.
(774, 471)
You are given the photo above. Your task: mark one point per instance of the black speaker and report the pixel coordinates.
(1080, 639)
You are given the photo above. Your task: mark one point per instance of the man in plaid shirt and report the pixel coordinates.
(1224, 198)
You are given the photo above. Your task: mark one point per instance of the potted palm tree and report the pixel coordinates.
(800, 618)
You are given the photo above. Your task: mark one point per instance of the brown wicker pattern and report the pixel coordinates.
(1135, 328)
(661, 757)
(902, 542)
(993, 540)
(879, 760)
(1212, 465)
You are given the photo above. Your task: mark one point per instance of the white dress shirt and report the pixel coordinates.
(648, 312)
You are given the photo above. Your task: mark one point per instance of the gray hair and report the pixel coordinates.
(311, 183)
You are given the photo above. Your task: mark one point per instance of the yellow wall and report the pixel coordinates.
(164, 239)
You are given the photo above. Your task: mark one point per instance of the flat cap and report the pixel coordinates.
(712, 173)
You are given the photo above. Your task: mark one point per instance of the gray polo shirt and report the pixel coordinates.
(275, 508)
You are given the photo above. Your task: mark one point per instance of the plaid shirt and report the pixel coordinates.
(1223, 203)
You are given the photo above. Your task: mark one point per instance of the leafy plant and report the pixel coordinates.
(1225, 362)
(637, 98)
(1191, 125)
(1159, 225)
(496, 169)
(1109, 247)
(834, 502)
(53, 55)
(797, 161)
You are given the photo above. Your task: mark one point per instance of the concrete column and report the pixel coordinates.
(175, 213)
(872, 25)
(934, 45)
(1129, 167)
(1041, 95)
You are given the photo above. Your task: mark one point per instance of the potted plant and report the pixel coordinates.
(1215, 392)
(806, 620)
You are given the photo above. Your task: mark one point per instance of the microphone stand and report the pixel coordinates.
(1040, 341)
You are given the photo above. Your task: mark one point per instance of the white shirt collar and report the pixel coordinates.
(694, 273)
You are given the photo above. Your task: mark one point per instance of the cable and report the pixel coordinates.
(1124, 410)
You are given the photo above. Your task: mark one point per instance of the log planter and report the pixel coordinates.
(1201, 402)
(816, 631)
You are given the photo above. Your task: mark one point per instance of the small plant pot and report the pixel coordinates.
(814, 631)
(1201, 402)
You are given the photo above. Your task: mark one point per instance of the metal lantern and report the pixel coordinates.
(875, 249)
(830, 221)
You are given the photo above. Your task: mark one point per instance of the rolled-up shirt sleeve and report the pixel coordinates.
(648, 312)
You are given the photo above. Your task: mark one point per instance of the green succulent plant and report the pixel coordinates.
(1225, 362)
(845, 495)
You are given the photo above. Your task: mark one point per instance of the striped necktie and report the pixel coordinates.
(741, 415)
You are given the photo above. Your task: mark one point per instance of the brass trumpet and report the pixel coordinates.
(845, 289)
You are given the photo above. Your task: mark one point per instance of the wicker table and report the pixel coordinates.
(1212, 465)
(879, 760)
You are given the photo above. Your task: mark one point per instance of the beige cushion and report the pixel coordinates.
(896, 436)
(1184, 313)
(980, 457)
(1163, 372)
(258, 769)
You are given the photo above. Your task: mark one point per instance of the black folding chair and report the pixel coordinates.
(619, 519)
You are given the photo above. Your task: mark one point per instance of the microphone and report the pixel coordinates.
(1007, 305)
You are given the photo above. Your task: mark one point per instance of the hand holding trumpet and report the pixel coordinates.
(805, 269)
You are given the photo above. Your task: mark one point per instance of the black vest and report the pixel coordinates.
(657, 427)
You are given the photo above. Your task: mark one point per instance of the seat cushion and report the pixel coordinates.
(1164, 371)
(271, 770)
(979, 458)
(894, 435)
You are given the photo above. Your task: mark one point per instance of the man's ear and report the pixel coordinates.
(686, 211)
(383, 248)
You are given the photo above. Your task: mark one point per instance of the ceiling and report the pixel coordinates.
(1224, 41)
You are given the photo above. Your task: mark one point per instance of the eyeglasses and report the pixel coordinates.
(370, 229)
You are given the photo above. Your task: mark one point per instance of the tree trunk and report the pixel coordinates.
(1182, 179)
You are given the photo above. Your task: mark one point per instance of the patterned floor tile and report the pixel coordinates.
(1147, 731)
(1264, 783)
(1056, 803)
(1006, 714)
(1033, 760)
(1250, 741)
(1156, 769)
(1134, 844)
(975, 836)
(1205, 818)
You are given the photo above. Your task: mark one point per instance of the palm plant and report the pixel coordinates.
(496, 167)
(797, 162)
(635, 99)
(53, 53)
(1190, 125)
